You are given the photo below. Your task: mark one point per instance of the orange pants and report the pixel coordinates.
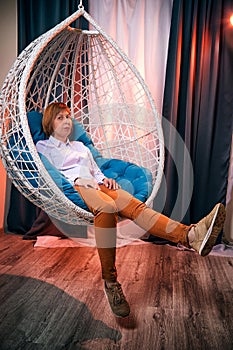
(107, 205)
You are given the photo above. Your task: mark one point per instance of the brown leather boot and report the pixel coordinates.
(206, 231)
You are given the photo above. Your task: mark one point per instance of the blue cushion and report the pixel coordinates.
(35, 125)
(132, 178)
(27, 165)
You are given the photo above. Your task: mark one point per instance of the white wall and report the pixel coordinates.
(8, 53)
(8, 36)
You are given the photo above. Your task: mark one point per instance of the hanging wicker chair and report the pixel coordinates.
(106, 95)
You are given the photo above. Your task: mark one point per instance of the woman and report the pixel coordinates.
(106, 200)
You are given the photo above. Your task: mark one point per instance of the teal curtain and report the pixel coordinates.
(35, 17)
(198, 103)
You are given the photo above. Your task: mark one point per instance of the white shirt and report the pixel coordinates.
(73, 159)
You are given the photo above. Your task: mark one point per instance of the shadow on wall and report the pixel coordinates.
(39, 315)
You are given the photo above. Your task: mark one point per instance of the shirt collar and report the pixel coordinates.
(57, 142)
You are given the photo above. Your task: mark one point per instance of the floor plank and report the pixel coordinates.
(53, 299)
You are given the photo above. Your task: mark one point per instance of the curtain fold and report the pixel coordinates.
(198, 102)
(37, 17)
(228, 227)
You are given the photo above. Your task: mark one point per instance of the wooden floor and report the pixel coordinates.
(53, 299)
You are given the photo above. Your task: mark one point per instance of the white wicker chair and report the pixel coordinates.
(107, 95)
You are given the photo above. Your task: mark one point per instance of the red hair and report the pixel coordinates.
(49, 115)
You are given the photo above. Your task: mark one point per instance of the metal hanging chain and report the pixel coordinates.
(80, 6)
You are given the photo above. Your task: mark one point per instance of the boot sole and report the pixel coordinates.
(213, 231)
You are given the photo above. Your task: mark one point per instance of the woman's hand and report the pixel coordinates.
(92, 183)
(88, 183)
(111, 184)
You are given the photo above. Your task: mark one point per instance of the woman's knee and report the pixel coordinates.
(108, 207)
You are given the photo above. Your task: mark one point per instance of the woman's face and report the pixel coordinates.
(62, 125)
